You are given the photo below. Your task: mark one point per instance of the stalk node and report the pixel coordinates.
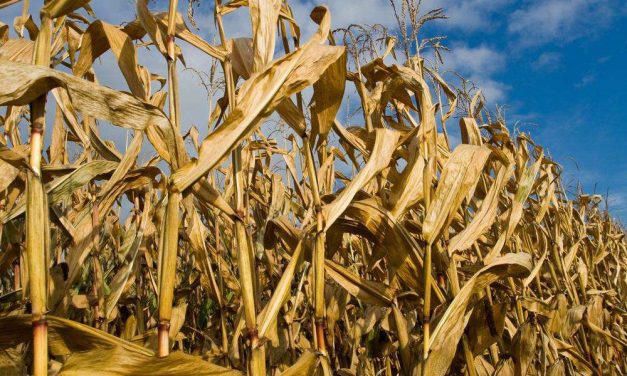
(39, 322)
(252, 334)
(163, 344)
(239, 215)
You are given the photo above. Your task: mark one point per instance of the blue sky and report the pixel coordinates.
(558, 67)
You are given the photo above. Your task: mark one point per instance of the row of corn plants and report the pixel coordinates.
(287, 241)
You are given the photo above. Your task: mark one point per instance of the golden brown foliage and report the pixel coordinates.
(416, 259)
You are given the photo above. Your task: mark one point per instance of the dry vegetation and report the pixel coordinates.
(306, 247)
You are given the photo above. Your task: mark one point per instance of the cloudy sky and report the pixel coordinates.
(558, 67)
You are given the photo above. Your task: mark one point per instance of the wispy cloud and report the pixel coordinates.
(480, 65)
(587, 79)
(465, 15)
(470, 15)
(543, 21)
(617, 203)
(365, 12)
(547, 61)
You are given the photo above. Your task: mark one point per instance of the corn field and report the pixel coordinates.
(287, 241)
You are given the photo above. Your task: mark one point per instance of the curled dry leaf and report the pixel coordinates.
(450, 328)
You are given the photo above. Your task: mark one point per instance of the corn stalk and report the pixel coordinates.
(36, 213)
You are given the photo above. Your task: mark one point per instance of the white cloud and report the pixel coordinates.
(366, 12)
(466, 15)
(587, 79)
(545, 21)
(618, 199)
(480, 65)
(618, 204)
(469, 15)
(547, 61)
(465, 59)
(114, 12)
(493, 90)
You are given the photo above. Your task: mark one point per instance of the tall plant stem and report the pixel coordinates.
(426, 309)
(247, 270)
(219, 288)
(36, 212)
(318, 259)
(173, 104)
(167, 272)
(426, 312)
(452, 270)
(257, 365)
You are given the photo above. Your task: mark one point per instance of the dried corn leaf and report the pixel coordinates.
(117, 361)
(384, 146)
(459, 176)
(450, 328)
